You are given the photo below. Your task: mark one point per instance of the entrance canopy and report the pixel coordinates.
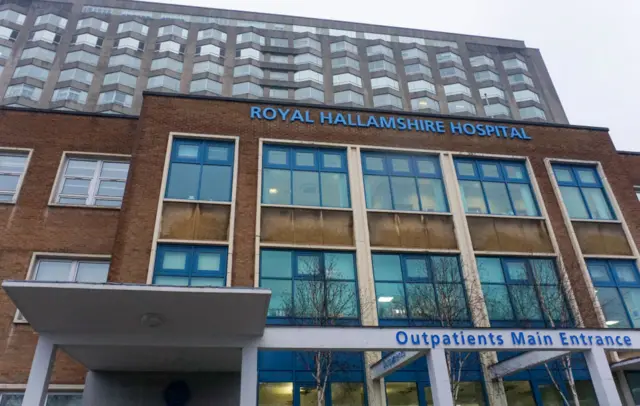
(144, 327)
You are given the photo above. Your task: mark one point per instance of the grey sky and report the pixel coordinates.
(590, 47)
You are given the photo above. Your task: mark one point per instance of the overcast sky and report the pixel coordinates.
(591, 48)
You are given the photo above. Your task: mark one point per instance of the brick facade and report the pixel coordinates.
(32, 226)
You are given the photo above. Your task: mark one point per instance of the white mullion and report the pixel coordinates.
(73, 272)
(94, 184)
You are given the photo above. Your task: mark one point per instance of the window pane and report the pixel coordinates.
(342, 299)
(306, 190)
(174, 260)
(517, 271)
(519, 393)
(333, 161)
(597, 203)
(92, 272)
(405, 195)
(498, 304)
(188, 151)
(490, 170)
(544, 271)
(400, 165)
(445, 269)
(208, 262)
(452, 304)
(114, 170)
(275, 264)
(9, 182)
(339, 266)
(598, 272)
(334, 189)
(402, 394)
(347, 394)
(611, 303)
(75, 187)
(64, 400)
(391, 301)
(171, 281)
(277, 157)
(218, 153)
(498, 198)
(490, 270)
(631, 298)
(183, 181)
(374, 163)
(308, 395)
(210, 282)
(553, 304)
(69, 200)
(573, 202)
(386, 267)
(272, 394)
(216, 183)
(432, 195)
(12, 163)
(378, 192)
(525, 302)
(304, 158)
(54, 271)
(465, 169)
(522, 199)
(421, 299)
(586, 175)
(277, 186)
(563, 175)
(417, 268)
(111, 188)
(472, 197)
(625, 272)
(309, 264)
(77, 167)
(280, 304)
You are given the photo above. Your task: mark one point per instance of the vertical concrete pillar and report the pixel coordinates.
(439, 377)
(623, 385)
(376, 394)
(41, 367)
(249, 377)
(601, 376)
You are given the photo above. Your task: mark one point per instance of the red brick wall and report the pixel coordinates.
(31, 226)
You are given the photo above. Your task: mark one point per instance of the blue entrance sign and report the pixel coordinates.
(398, 123)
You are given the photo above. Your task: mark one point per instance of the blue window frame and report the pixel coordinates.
(305, 177)
(582, 192)
(617, 285)
(403, 182)
(495, 187)
(201, 170)
(190, 265)
(315, 287)
(523, 292)
(419, 289)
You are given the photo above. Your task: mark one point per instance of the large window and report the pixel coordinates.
(617, 285)
(414, 53)
(481, 60)
(452, 72)
(92, 182)
(121, 78)
(403, 182)
(201, 170)
(495, 187)
(344, 46)
(24, 90)
(523, 290)
(31, 71)
(84, 57)
(382, 65)
(448, 57)
(79, 75)
(116, 97)
(582, 192)
(39, 53)
(421, 86)
(417, 68)
(305, 177)
(425, 288)
(315, 285)
(347, 78)
(514, 64)
(13, 166)
(126, 60)
(345, 62)
(70, 269)
(69, 94)
(166, 63)
(379, 50)
(190, 265)
(53, 399)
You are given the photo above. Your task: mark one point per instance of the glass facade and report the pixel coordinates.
(582, 192)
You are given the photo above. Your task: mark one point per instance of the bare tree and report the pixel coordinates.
(324, 296)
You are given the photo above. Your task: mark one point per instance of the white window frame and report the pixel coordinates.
(75, 258)
(94, 181)
(29, 153)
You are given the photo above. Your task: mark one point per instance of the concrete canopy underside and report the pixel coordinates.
(144, 327)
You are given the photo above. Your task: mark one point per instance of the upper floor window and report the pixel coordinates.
(121, 78)
(247, 88)
(451, 72)
(417, 68)
(208, 66)
(307, 42)
(411, 40)
(13, 166)
(212, 33)
(347, 78)
(79, 75)
(248, 70)
(486, 75)
(205, 85)
(617, 286)
(116, 97)
(38, 53)
(305, 177)
(520, 78)
(461, 107)
(279, 42)
(339, 33)
(70, 269)
(201, 170)
(522, 290)
(249, 53)
(303, 75)
(5, 52)
(46, 36)
(133, 26)
(126, 60)
(250, 37)
(384, 82)
(166, 63)
(582, 192)
(24, 90)
(532, 112)
(382, 65)
(173, 30)
(373, 35)
(387, 100)
(165, 82)
(170, 46)
(514, 63)
(489, 92)
(31, 71)
(345, 62)
(309, 93)
(422, 288)
(495, 187)
(421, 86)
(94, 23)
(403, 182)
(457, 88)
(318, 285)
(481, 60)
(87, 39)
(307, 58)
(414, 53)
(448, 57)
(279, 93)
(8, 33)
(92, 182)
(278, 58)
(12, 16)
(344, 46)
(526, 95)
(275, 75)
(190, 265)
(51, 19)
(497, 109)
(421, 103)
(379, 50)
(130, 43)
(69, 94)
(348, 96)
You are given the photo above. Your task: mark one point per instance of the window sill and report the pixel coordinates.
(376, 248)
(613, 257)
(8, 203)
(83, 206)
(192, 242)
(595, 221)
(434, 213)
(504, 216)
(515, 254)
(295, 206)
(350, 248)
(196, 201)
